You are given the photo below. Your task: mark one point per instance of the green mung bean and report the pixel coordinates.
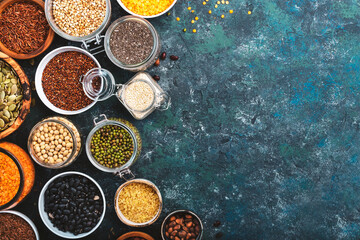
(112, 146)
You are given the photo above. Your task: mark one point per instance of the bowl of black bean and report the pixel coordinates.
(72, 205)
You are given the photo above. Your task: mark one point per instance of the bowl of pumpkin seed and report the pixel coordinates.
(15, 95)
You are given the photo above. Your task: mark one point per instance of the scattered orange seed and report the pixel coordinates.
(209, 11)
(189, 8)
(222, 16)
(194, 30)
(192, 11)
(177, 19)
(204, 3)
(168, 14)
(249, 12)
(231, 11)
(196, 18)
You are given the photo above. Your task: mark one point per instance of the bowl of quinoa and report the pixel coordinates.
(147, 8)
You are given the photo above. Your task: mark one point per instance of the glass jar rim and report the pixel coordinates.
(90, 136)
(57, 30)
(21, 186)
(112, 27)
(31, 135)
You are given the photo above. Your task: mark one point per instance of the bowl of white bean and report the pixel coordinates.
(54, 142)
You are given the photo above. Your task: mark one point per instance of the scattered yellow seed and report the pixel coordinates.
(189, 8)
(206, 0)
(231, 11)
(184, 29)
(204, 3)
(192, 11)
(168, 14)
(223, 2)
(249, 12)
(177, 19)
(210, 12)
(194, 30)
(218, 2)
(222, 16)
(227, 2)
(216, 5)
(192, 21)
(196, 18)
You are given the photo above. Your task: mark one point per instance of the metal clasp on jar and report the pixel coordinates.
(123, 173)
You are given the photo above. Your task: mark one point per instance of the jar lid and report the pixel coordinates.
(98, 84)
(21, 186)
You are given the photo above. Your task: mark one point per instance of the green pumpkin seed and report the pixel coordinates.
(12, 107)
(2, 123)
(11, 98)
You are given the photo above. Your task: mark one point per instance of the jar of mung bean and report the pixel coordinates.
(113, 145)
(141, 95)
(54, 142)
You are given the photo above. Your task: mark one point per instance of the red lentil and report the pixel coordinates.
(9, 179)
(61, 77)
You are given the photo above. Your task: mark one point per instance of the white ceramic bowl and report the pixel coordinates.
(153, 16)
(39, 73)
(28, 220)
(44, 215)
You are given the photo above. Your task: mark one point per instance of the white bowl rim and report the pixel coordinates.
(39, 73)
(42, 211)
(143, 16)
(26, 218)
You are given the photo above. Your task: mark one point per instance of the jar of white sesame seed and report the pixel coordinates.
(141, 95)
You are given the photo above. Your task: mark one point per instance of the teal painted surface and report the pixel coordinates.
(263, 132)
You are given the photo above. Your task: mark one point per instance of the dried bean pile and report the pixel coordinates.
(73, 204)
(61, 83)
(182, 226)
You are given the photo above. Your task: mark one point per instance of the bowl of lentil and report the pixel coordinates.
(57, 80)
(78, 20)
(15, 95)
(80, 212)
(146, 8)
(138, 203)
(182, 224)
(113, 144)
(18, 175)
(132, 43)
(135, 236)
(24, 30)
(54, 142)
(15, 225)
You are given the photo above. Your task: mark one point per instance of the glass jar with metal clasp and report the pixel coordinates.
(141, 95)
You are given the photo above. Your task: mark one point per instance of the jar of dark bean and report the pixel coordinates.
(182, 224)
(72, 205)
(113, 145)
(132, 43)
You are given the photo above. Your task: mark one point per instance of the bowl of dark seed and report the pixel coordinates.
(15, 225)
(132, 43)
(72, 205)
(182, 224)
(57, 80)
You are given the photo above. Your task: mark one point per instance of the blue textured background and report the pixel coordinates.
(263, 133)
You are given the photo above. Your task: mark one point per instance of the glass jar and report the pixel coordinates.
(155, 97)
(147, 62)
(26, 172)
(121, 215)
(54, 142)
(122, 170)
(94, 36)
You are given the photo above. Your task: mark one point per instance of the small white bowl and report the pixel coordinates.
(28, 220)
(44, 215)
(153, 16)
(39, 73)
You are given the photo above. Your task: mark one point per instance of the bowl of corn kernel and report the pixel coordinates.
(147, 8)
